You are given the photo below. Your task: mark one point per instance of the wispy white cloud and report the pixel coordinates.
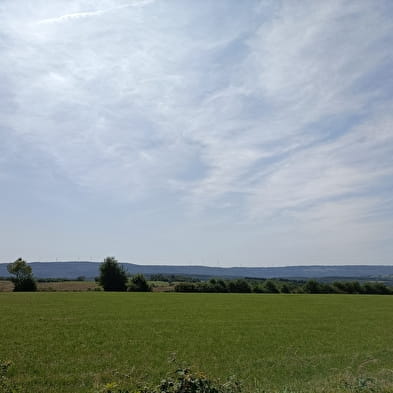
(280, 115)
(306, 66)
(87, 14)
(76, 15)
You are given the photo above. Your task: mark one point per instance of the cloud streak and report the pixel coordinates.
(88, 14)
(76, 15)
(277, 118)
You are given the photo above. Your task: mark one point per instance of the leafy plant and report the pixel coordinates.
(6, 386)
(138, 283)
(186, 381)
(183, 380)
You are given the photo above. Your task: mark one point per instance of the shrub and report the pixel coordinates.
(258, 288)
(213, 285)
(312, 286)
(186, 287)
(6, 386)
(285, 289)
(376, 288)
(183, 380)
(239, 286)
(271, 287)
(138, 283)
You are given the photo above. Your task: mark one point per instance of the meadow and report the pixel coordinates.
(75, 342)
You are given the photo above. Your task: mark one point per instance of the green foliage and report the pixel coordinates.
(22, 276)
(271, 287)
(112, 275)
(376, 288)
(173, 278)
(218, 285)
(213, 286)
(6, 386)
(285, 289)
(138, 283)
(187, 287)
(183, 380)
(347, 287)
(312, 286)
(277, 286)
(361, 385)
(239, 286)
(186, 381)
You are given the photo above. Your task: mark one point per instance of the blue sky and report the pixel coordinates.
(222, 133)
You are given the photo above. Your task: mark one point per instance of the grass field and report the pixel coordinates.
(71, 342)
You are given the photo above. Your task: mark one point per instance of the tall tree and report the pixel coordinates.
(112, 275)
(23, 276)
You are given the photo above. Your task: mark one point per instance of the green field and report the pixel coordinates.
(72, 342)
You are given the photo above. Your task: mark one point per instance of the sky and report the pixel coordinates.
(209, 132)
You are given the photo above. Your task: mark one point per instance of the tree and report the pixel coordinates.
(285, 289)
(186, 287)
(112, 275)
(239, 286)
(312, 286)
(271, 287)
(23, 276)
(138, 283)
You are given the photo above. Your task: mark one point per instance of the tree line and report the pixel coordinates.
(280, 286)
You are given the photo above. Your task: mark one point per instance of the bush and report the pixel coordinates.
(213, 285)
(376, 288)
(186, 287)
(183, 380)
(239, 286)
(312, 286)
(138, 283)
(27, 284)
(285, 289)
(258, 288)
(6, 386)
(271, 287)
(347, 287)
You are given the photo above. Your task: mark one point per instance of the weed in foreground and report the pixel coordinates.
(183, 380)
(6, 386)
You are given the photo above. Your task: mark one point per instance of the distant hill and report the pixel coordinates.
(89, 270)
